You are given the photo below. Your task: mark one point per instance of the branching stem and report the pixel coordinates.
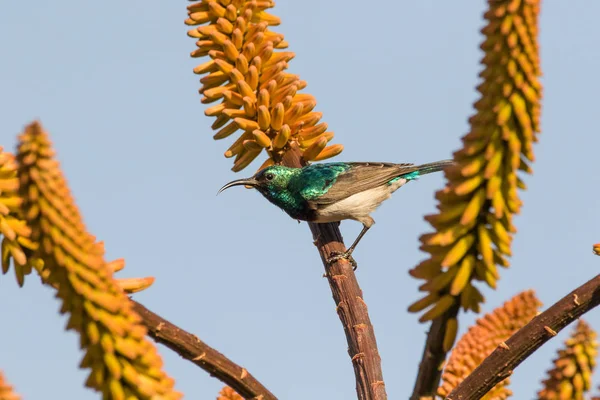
(501, 363)
(193, 349)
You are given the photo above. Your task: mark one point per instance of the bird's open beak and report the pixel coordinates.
(246, 182)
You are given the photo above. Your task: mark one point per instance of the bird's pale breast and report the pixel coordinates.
(359, 205)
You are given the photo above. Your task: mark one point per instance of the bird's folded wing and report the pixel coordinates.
(360, 177)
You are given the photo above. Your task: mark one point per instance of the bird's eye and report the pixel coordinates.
(269, 177)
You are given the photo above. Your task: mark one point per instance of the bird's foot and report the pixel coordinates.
(335, 256)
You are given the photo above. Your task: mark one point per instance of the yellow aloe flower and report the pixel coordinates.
(571, 376)
(13, 229)
(123, 363)
(473, 227)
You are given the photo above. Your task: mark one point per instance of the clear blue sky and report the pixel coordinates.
(113, 83)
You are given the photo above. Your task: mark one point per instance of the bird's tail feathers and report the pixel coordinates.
(434, 167)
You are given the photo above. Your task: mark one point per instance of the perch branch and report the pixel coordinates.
(500, 364)
(193, 349)
(430, 367)
(350, 306)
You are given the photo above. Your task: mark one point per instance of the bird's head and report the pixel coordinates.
(268, 181)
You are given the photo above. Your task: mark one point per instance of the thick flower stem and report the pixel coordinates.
(502, 362)
(350, 306)
(193, 349)
(430, 367)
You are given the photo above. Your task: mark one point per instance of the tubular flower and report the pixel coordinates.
(228, 393)
(485, 336)
(473, 227)
(129, 285)
(124, 365)
(17, 246)
(571, 376)
(6, 391)
(247, 73)
(15, 232)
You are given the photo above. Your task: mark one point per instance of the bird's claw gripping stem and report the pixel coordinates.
(335, 256)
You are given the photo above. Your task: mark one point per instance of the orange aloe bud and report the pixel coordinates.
(264, 117)
(245, 159)
(484, 337)
(314, 149)
(246, 124)
(282, 137)
(305, 144)
(251, 145)
(134, 285)
(329, 152)
(261, 138)
(310, 132)
(277, 115)
(247, 71)
(116, 265)
(226, 131)
(228, 393)
(6, 390)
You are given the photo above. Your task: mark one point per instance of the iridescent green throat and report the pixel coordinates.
(292, 188)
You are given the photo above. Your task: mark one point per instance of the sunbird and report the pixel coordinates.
(332, 192)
